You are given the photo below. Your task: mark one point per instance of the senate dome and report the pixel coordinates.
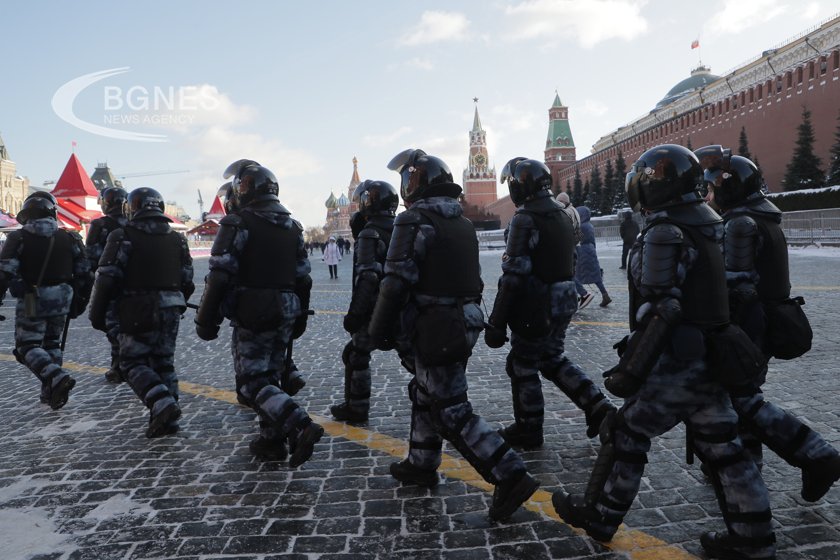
(700, 78)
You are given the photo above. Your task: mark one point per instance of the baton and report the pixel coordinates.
(64, 334)
(192, 306)
(284, 378)
(689, 445)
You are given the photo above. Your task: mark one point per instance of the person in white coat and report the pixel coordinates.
(332, 257)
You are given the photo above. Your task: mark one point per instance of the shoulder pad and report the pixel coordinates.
(12, 244)
(369, 233)
(522, 219)
(297, 224)
(741, 226)
(664, 234)
(408, 217)
(233, 220)
(74, 235)
(118, 235)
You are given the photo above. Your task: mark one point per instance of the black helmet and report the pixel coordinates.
(37, 206)
(357, 223)
(43, 194)
(144, 202)
(732, 179)
(251, 182)
(423, 176)
(227, 197)
(525, 178)
(664, 176)
(111, 200)
(376, 197)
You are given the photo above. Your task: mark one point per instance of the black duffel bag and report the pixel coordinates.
(733, 359)
(259, 309)
(789, 333)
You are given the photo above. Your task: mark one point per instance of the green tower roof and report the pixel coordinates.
(557, 102)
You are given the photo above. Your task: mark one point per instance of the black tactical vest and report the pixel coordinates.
(771, 263)
(451, 265)
(553, 259)
(705, 301)
(59, 268)
(155, 261)
(270, 256)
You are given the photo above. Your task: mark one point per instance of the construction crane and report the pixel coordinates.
(153, 173)
(200, 205)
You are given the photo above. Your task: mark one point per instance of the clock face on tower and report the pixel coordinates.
(479, 159)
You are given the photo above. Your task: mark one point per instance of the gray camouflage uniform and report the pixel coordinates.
(148, 358)
(440, 406)
(38, 338)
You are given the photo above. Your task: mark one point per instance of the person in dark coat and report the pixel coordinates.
(588, 269)
(629, 231)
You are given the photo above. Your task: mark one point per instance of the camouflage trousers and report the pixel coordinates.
(148, 360)
(440, 409)
(112, 332)
(682, 391)
(529, 357)
(356, 359)
(762, 422)
(38, 347)
(259, 361)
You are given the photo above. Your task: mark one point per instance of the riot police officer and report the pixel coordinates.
(432, 288)
(45, 268)
(146, 272)
(372, 226)
(111, 201)
(537, 299)
(259, 279)
(678, 298)
(756, 260)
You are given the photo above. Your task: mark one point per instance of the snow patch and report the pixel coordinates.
(59, 428)
(812, 251)
(27, 533)
(19, 489)
(116, 506)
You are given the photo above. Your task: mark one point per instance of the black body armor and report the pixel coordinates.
(59, 268)
(155, 262)
(456, 248)
(553, 259)
(269, 259)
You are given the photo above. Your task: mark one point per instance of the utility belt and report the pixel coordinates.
(260, 309)
(440, 332)
(731, 356)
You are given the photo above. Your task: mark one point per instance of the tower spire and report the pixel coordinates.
(476, 121)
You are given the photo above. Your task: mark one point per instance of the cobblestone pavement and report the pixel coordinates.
(84, 483)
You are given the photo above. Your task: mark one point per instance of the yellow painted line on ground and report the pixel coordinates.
(637, 544)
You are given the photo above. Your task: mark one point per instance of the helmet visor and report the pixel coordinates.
(713, 157)
(234, 168)
(404, 159)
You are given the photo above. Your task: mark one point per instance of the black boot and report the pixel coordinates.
(407, 473)
(60, 392)
(577, 513)
(268, 449)
(344, 413)
(726, 547)
(304, 444)
(518, 435)
(510, 494)
(818, 477)
(162, 416)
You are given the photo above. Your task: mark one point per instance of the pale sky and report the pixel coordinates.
(304, 87)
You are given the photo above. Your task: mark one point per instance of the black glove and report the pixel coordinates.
(494, 337)
(17, 288)
(621, 384)
(299, 327)
(207, 332)
(353, 322)
(383, 342)
(620, 347)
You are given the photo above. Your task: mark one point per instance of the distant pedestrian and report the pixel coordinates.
(588, 270)
(629, 231)
(332, 257)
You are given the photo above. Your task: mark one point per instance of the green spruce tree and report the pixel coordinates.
(606, 202)
(586, 194)
(596, 191)
(743, 147)
(569, 187)
(803, 171)
(620, 198)
(834, 158)
(577, 191)
(688, 144)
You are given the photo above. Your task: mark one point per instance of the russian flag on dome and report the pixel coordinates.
(695, 43)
